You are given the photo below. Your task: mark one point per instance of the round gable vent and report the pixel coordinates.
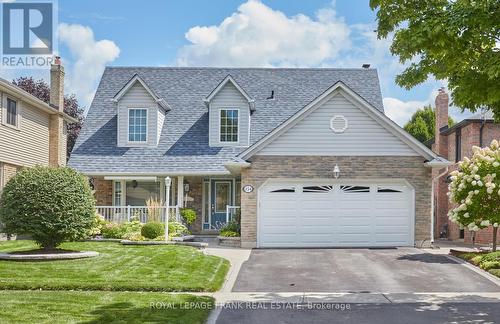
(338, 124)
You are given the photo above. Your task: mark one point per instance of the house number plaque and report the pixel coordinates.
(247, 188)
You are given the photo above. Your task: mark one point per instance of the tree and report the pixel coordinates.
(41, 90)
(52, 205)
(453, 40)
(422, 124)
(475, 189)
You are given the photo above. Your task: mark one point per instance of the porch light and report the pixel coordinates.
(336, 171)
(168, 182)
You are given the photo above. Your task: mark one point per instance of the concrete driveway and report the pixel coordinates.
(356, 270)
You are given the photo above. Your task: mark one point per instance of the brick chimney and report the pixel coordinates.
(57, 137)
(442, 102)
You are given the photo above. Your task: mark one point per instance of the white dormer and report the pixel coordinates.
(229, 109)
(140, 114)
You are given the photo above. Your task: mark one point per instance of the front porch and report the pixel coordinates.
(215, 199)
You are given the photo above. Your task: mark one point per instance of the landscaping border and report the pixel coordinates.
(48, 256)
(200, 245)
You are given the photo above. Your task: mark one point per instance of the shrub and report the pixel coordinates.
(232, 226)
(495, 272)
(133, 236)
(475, 190)
(52, 205)
(189, 215)
(153, 230)
(228, 233)
(97, 224)
(132, 226)
(113, 230)
(176, 229)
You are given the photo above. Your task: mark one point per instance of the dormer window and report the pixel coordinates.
(229, 120)
(137, 125)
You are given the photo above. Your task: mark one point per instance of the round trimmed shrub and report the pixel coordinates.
(153, 230)
(52, 205)
(189, 215)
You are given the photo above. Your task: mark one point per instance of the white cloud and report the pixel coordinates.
(257, 35)
(90, 58)
(401, 111)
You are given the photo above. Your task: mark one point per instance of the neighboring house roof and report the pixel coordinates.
(32, 100)
(479, 117)
(183, 147)
(385, 121)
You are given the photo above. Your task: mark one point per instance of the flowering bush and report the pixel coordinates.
(475, 188)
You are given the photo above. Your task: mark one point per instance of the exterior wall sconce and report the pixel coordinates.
(336, 171)
(186, 187)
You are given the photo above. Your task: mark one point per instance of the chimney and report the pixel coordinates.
(442, 102)
(57, 137)
(57, 85)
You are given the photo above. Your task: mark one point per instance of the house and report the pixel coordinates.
(32, 132)
(455, 143)
(306, 155)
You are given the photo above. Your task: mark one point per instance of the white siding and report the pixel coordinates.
(137, 97)
(29, 144)
(313, 135)
(159, 126)
(229, 97)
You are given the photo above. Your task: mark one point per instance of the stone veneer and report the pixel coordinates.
(103, 192)
(8, 172)
(410, 168)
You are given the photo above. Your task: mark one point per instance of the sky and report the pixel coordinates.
(93, 34)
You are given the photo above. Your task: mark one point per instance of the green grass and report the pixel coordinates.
(118, 267)
(102, 307)
(486, 261)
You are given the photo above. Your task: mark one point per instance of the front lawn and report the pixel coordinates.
(486, 261)
(102, 307)
(118, 267)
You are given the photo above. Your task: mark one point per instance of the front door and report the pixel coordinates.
(221, 197)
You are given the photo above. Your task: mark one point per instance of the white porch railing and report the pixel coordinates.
(122, 214)
(230, 212)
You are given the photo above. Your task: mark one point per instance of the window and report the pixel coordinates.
(317, 189)
(11, 112)
(354, 189)
(292, 189)
(137, 125)
(458, 145)
(118, 193)
(229, 125)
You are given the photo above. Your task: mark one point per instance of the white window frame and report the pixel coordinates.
(219, 126)
(128, 125)
(5, 112)
(123, 188)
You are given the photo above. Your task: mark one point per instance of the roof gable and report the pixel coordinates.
(360, 103)
(222, 84)
(137, 79)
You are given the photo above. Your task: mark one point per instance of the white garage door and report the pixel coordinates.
(321, 214)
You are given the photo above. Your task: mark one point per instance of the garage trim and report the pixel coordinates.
(382, 181)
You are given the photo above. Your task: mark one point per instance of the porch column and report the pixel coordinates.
(180, 191)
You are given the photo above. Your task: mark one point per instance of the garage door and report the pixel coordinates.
(323, 214)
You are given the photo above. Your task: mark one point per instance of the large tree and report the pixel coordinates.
(422, 124)
(457, 40)
(41, 90)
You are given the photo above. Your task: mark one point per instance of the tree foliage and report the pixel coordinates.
(454, 40)
(475, 188)
(422, 124)
(52, 205)
(41, 90)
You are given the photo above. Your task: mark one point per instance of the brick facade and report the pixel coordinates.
(410, 168)
(103, 192)
(7, 172)
(195, 201)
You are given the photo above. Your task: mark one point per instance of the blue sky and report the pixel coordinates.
(310, 33)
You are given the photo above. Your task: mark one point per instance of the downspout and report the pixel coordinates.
(433, 204)
(483, 122)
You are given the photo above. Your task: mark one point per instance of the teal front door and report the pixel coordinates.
(221, 196)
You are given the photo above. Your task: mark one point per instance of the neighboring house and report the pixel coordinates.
(307, 154)
(455, 143)
(32, 132)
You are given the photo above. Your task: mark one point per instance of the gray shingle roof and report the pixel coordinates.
(183, 145)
